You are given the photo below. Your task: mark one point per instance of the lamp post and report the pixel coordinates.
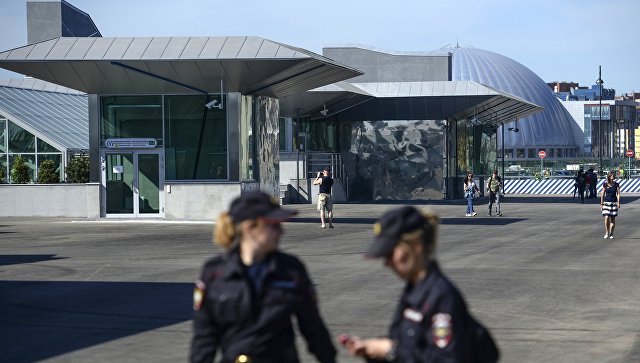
(599, 82)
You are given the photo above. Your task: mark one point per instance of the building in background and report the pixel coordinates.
(41, 121)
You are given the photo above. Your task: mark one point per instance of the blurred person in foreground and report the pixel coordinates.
(245, 298)
(431, 322)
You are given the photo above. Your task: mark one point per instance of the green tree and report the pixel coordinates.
(20, 171)
(78, 170)
(2, 173)
(47, 173)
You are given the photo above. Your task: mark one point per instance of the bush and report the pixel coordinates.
(20, 171)
(47, 173)
(2, 173)
(78, 170)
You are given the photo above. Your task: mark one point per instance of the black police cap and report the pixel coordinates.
(390, 227)
(255, 204)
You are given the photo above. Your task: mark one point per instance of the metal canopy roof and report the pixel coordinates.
(438, 100)
(59, 118)
(139, 65)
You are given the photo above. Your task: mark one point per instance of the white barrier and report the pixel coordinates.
(561, 186)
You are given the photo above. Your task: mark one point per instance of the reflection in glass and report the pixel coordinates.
(29, 160)
(119, 183)
(148, 183)
(3, 133)
(44, 147)
(131, 116)
(21, 140)
(247, 142)
(195, 139)
(56, 158)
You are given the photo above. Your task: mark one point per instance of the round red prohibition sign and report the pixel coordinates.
(630, 153)
(542, 154)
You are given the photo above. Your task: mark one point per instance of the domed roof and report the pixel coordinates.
(552, 127)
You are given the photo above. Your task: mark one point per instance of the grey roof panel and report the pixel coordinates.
(57, 118)
(231, 47)
(174, 48)
(80, 48)
(212, 48)
(155, 48)
(99, 48)
(138, 47)
(20, 53)
(61, 49)
(250, 47)
(41, 50)
(268, 49)
(284, 52)
(118, 47)
(194, 47)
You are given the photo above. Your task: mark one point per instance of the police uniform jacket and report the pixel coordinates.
(431, 323)
(232, 316)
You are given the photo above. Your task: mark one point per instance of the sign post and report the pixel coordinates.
(630, 154)
(542, 154)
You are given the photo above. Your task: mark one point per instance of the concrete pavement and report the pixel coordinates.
(541, 278)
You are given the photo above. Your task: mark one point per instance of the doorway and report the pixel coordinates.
(133, 184)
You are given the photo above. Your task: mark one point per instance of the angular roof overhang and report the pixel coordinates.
(438, 100)
(143, 65)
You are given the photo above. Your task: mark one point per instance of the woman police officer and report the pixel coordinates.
(245, 298)
(431, 323)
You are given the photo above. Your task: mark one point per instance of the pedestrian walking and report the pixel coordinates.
(470, 189)
(494, 185)
(245, 298)
(593, 182)
(610, 203)
(431, 323)
(581, 182)
(325, 200)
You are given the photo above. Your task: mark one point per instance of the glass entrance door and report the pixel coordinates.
(133, 181)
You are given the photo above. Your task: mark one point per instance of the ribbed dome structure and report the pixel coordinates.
(553, 127)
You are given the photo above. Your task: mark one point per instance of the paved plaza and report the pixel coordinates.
(541, 277)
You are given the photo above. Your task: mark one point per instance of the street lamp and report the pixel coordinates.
(599, 82)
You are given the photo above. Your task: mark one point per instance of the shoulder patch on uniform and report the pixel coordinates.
(198, 295)
(442, 330)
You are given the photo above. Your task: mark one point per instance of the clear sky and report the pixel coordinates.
(560, 40)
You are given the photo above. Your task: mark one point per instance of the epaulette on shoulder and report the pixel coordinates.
(214, 267)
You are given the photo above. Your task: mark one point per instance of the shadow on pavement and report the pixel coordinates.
(44, 319)
(20, 259)
(478, 220)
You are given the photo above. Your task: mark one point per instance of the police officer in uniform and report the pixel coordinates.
(431, 323)
(245, 298)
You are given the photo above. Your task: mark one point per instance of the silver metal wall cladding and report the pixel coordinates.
(394, 160)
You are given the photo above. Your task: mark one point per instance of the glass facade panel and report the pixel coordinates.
(196, 139)
(247, 140)
(4, 166)
(44, 147)
(132, 116)
(57, 161)
(20, 140)
(321, 135)
(148, 183)
(29, 160)
(3, 136)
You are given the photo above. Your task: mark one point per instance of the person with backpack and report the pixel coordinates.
(431, 323)
(610, 203)
(493, 187)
